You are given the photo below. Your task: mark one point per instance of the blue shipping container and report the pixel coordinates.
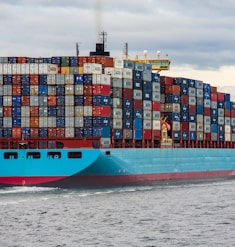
(117, 134)
(138, 124)
(138, 134)
(106, 132)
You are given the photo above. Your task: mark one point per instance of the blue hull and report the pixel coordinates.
(101, 167)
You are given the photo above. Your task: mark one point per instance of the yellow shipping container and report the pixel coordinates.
(65, 70)
(80, 70)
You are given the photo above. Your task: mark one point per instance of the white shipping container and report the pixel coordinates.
(1, 111)
(51, 90)
(108, 70)
(7, 122)
(156, 115)
(25, 122)
(214, 104)
(43, 122)
(200, 136)
(47, 69)
(33, 100)
(176, 107)
(227, 129)
(156, 96)
(127, 83)
(127, 73)
(220, 112)
(78, 122)
(1, 82)
(33, 68)
(118, 63)
(69, 132)
(59, 79)
(207, 120)
(227, 137)
(137, 94)
(1, 89)
(78, 111)
(69, 79)
(25, 111)
(7, 100)
(207, 128)
(7, 68)
(78, 89)
(147, 124)
(117, 123)
(176, 126)
(147, 105)
(42, 111)
(221, 120)
(192, 91)
(192, 126)
(227, 121)
(105, 142)
(156, 87)
(69, 111)
(207, 103)
(192, 100)
(105, 80)
(199, 118)
(117, 113)
(87, 111)
(147, 114)
(14, 69)
(24, 68)
(51, 122)
(69, 89)
(1, 68)
(117, 73)
(69, 121)
(233, 121)
(7, 89)
(96, 79)
(199, 126)
(51, 79)
(69, 100)
(156, 124)
(116, 102)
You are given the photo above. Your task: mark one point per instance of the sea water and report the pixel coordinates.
(182, 215)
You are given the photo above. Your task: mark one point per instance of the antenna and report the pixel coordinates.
(125, 50)
(103, 38)
(77, 48)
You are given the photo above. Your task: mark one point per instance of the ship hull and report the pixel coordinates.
(116, 167)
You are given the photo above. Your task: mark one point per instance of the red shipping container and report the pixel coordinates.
(220, 96)
(166, 80)
(25, 100)
(59, 70)
(105, 61)
(7, 111)
(176, 89)
(214, 97)
(232, 113)
(138, 104)
(102, 111)
(101, 90)
(82, 60)
(213, 89)
(87, 101)
(34, 132)
(87, 90)
(207, 136)
(184, 126)
(147, 134)
(156, 106)
(52, 133)
(168, 89)
(156, 134)
(192, 109)
(34, 111)
(127, 93)
(91, 59)
(16, 80)
(184, 99)
(60, 132)
(33, 79)
(227, 113)
(16, 133)
(207, 111)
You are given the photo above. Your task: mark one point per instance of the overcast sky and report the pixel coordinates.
(198, 36)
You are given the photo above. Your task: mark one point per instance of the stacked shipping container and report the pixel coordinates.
(114, 100)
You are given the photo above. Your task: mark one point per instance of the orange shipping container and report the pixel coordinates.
(34, 111)
(34, 122)
(7, 111)
(34, 132)
(51, 100)
(33, 79)
(16, 133)
(16, 90)
(52, 133)
(21, 60)
(16, 80)
(60, 132)
(25, 100)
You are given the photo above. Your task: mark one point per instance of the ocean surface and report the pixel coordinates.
(182, 215)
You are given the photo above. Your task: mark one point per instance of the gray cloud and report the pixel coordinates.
(191, 32)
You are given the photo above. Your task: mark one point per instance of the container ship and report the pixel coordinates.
(92, 121)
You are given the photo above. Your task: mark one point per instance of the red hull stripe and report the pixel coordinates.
(119, 179)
